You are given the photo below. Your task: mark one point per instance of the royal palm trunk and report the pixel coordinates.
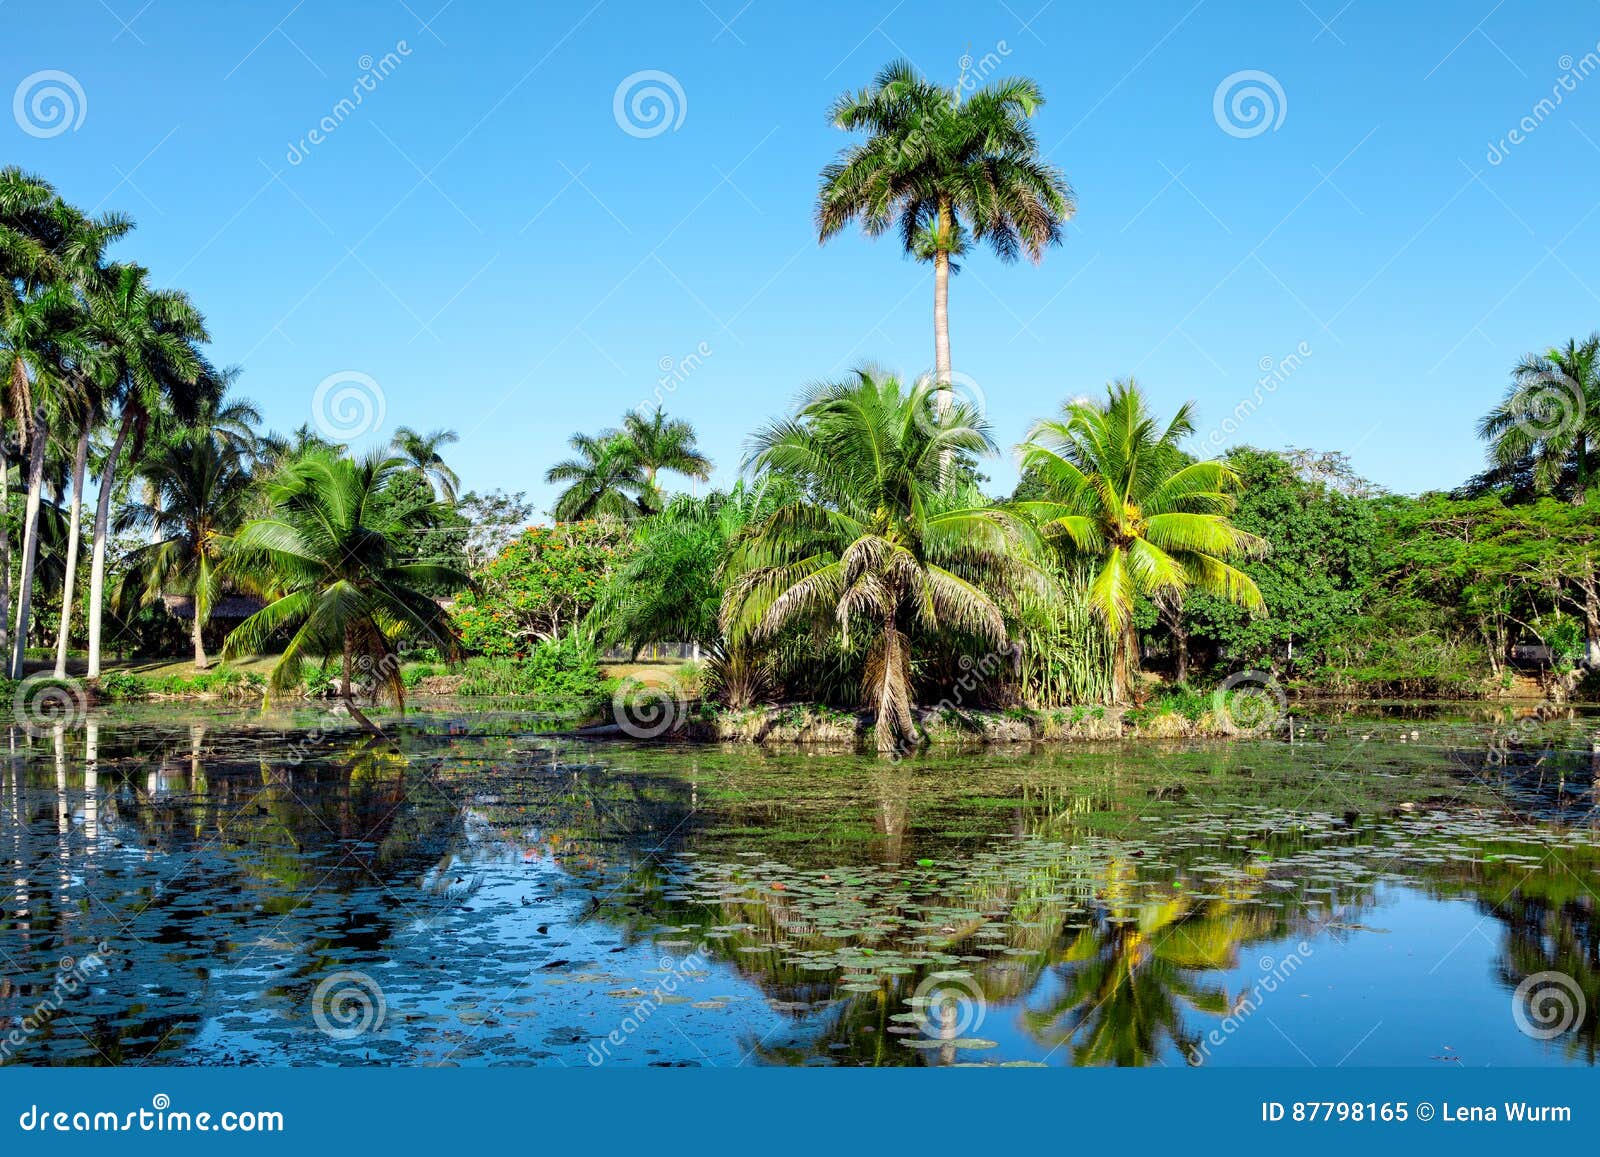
(80, 463)
(30, 543)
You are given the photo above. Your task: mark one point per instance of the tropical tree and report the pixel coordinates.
(149, 336)
(421, 451)
(943, 170)
(662, 443)
(1550, 418)
(1119, 492)
(873, 546)
(200, 489)
(329, 551)
(606, 480)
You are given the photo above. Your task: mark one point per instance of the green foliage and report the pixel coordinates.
(559, 675)
(540, 586)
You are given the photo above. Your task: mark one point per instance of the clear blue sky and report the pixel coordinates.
(482, 239)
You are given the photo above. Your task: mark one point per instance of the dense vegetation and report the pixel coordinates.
(859, 564)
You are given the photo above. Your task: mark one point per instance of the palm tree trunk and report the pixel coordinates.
(941, 310)
(39, 434)
(200, 660)
(80, 464)
(102, 526)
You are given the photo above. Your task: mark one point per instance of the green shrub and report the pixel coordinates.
(561, 675)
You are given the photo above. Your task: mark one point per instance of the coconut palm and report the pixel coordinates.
(1150, 521)
(200, 492)
(606, 480)
(150, 337)
(944, 171)
(1550, 417)
(662, 443)
(874, 548)
(422, 452)
(330, 549)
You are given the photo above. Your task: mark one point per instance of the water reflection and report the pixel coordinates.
(515, 900)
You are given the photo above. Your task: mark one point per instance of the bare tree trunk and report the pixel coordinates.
(200, 660)
(102, 525)
(941, 329)
(39, 434)
(80, 463)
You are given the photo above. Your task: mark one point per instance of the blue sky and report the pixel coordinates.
(485, 243)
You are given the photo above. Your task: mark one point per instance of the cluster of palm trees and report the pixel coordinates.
(615, 472)
(107, 375)
(1546, 430)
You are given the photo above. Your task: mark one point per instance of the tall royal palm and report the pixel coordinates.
(330, 547)
(150, 336)
(1550, 418)
(663, 443)
(422, 452)
(604, 480)
(941, 169)
(1151, 521)
(874, 546)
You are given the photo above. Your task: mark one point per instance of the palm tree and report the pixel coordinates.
(606, 477)
(330, 550)
(149, 335)
(941, 170)
(201, 492)
(422, 452)
(662, 443)
(1151, 521)
(874, 546)
(1550, 416)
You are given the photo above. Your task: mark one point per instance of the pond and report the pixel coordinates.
(1400, 885)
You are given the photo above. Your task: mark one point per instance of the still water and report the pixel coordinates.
(1388, 886)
